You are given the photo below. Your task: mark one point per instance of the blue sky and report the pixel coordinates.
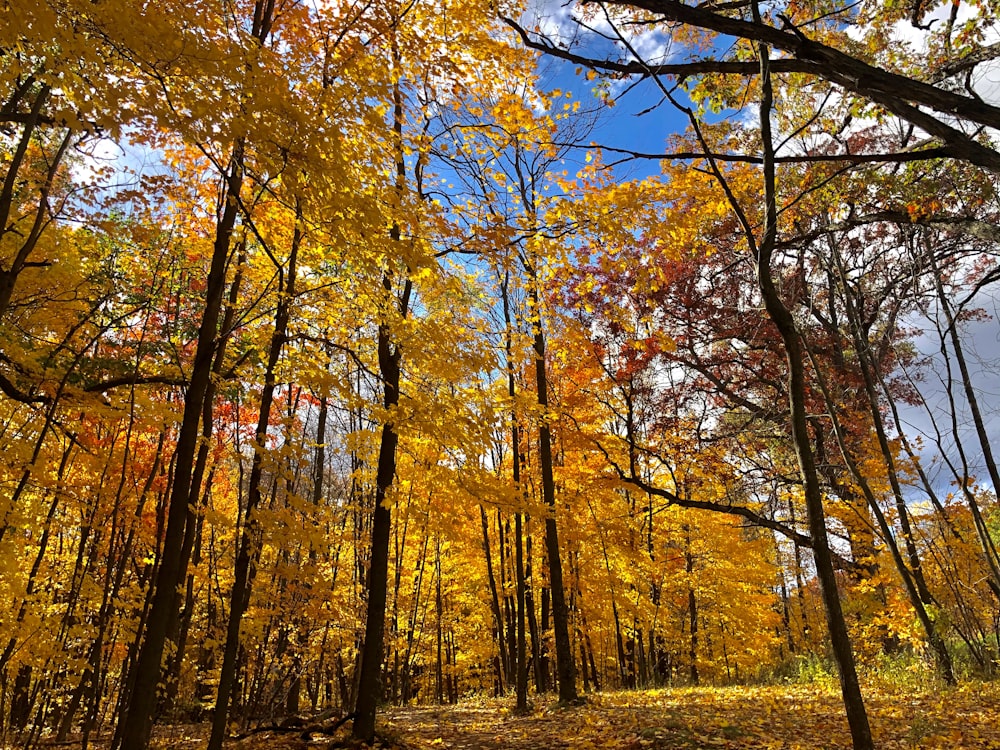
(640, 119)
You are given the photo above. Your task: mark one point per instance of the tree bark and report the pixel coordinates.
(565, 667)
(782, 319)
(498, 618)
(389, 359)
(517, 458)
(692, 613)
(137, 715)
(248, 552)
(369, 687)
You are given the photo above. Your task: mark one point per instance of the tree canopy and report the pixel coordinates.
(364, 352)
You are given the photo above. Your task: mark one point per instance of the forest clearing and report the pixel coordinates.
(430, 362)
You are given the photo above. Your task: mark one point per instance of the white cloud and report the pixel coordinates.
(96, 155)
(916, 41)
(591, 29)
(981, 343)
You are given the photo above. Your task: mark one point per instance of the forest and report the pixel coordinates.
(359, 356)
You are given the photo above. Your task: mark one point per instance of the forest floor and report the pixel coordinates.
(794, 717)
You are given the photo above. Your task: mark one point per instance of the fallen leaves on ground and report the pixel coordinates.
(788, 717)
(799, 717)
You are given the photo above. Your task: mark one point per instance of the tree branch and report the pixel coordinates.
(893, 157)
(850, 72)
(642, 69)
(981, 230)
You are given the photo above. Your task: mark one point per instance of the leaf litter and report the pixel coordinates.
(791, 717)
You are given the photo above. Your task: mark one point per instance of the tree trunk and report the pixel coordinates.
(692, 613)
(565, 666)
(246, 558)
(517, 458)
(521, 682)
(439, 629)
(369, 688)
(983, 533)
(389, 358)
(137, 716)
(20, 703)
(498, 618)
(180, 620)
(783, 320)
(529, 608)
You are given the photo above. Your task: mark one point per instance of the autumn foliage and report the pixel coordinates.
(343, 363)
